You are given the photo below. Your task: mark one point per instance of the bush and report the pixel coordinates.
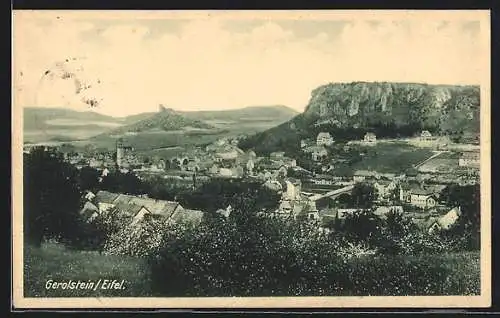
(252, 256)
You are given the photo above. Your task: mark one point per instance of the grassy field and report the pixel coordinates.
(443, 274)
(391, 157)
(54, 262)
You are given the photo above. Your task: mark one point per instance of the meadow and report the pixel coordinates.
(394, 157)
(54, 262)
(443, 274)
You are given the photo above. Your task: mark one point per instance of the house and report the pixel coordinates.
(317, 152)
(303, 143)
(89, 211)
(225, 172)
(324, 139)
(445, 222)
(312, 211)
(89, 196)
(384, 188)
(425, 135)
(282, 171)
(225, 212)
(292, 189)
(105, 200)
(277, 155)
(362, 175)
(323, 180)
(370, 137)
(469, 159)
(422, 198)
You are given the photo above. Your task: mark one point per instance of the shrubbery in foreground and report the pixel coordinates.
(251, 256)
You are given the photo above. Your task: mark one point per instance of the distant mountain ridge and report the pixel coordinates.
(388, 109)
(37, 117)
(272, 112)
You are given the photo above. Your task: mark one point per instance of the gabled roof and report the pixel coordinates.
(425, 133)
(129, 209)
(89, 206)
(165, 208)
(105, 197)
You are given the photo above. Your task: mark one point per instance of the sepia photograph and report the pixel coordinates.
(234, 159)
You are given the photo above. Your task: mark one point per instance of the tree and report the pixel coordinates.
(396, 227)
(88, 179)
(363, 195)
(362, 226)
(124, 183)
(469, 224)
(219, 193)
(51, 197)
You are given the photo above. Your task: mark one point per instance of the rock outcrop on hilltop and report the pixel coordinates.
(348, 110)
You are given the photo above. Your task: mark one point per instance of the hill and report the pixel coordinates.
(38, 118)
(164, 120)
(245, 120)
(349, 110)
(150, 129)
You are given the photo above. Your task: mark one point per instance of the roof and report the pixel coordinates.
(449, 218)
(105, 197)
(365, 173)
(129, 209)
(425, 133)
(324, 135)
(156, 206)
(384, 182)
(369, 134)
(89, 206)
(285, 205)
(420, 191)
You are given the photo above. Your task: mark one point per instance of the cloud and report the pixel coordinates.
(206, 65)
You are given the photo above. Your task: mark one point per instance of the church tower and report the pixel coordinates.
(120, 152)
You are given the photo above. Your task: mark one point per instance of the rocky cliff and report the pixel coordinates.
(348, 110)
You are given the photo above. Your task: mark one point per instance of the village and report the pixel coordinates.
(315, 195)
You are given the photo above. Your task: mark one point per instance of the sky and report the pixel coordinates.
(133, 64)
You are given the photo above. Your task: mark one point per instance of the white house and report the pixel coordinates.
(446, 221)
(422, 198)
(425, 135)
(324, 139)
(370, 137)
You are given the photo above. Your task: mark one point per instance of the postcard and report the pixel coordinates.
(251, 159)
